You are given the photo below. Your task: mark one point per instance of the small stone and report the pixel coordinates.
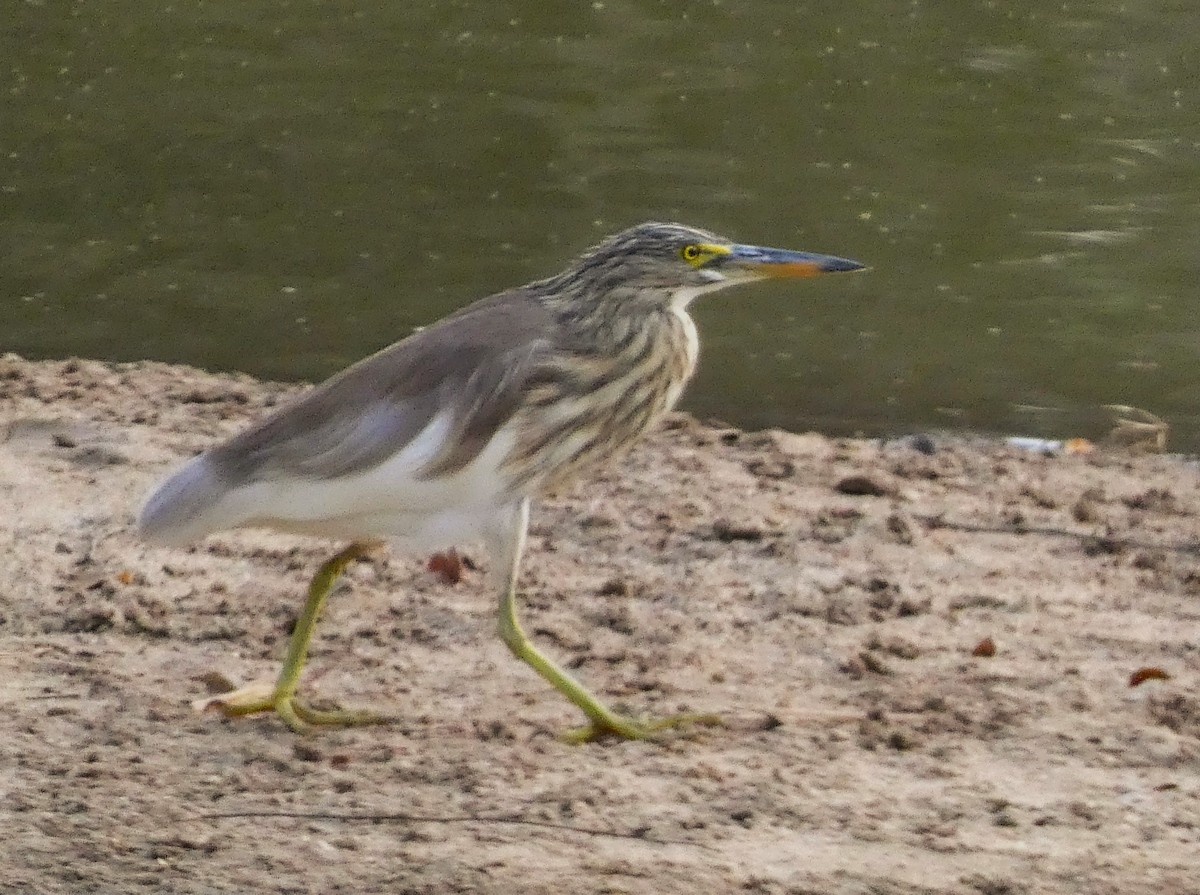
(614, 587)
(727, 531)
(305, 752)
(861, 486)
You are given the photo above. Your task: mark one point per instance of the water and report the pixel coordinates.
(283, 187)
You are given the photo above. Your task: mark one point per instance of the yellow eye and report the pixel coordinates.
(690, 253)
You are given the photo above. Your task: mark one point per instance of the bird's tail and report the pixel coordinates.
(185, 507)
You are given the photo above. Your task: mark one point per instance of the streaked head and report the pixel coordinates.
(684, 261)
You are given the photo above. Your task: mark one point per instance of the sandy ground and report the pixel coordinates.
(825, 596)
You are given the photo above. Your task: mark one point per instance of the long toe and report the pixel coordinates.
(625, 728)
(256, 697)
(298, 715)
(338, 717)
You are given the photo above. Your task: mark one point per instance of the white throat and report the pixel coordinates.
(683, 297)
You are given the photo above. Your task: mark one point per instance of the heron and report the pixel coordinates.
(446, 436)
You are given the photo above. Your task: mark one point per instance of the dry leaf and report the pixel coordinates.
(1137, 429)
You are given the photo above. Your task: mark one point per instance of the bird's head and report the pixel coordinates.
(677, 263)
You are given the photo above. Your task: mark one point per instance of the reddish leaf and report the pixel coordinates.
(1149, 673)
(447, 566)
(985, 648)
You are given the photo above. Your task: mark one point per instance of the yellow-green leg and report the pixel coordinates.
(282, 698)
(603, 721)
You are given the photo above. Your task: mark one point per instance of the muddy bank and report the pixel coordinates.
(825, 596)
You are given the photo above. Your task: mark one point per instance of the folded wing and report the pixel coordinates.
(424, 409)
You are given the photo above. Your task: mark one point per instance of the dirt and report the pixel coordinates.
(832, 599)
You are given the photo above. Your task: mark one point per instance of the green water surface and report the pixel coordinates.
(283, 187)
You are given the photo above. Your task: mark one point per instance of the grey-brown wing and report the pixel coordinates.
(472, 365)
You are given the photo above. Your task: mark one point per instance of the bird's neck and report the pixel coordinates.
(613, 371)
(618, 323)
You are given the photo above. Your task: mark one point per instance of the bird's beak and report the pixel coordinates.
(764, 262)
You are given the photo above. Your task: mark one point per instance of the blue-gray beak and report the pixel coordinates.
(784, 263)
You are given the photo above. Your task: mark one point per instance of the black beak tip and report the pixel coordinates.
(844, 265)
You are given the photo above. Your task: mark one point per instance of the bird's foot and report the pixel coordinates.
(622, 727)
(295, 712)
